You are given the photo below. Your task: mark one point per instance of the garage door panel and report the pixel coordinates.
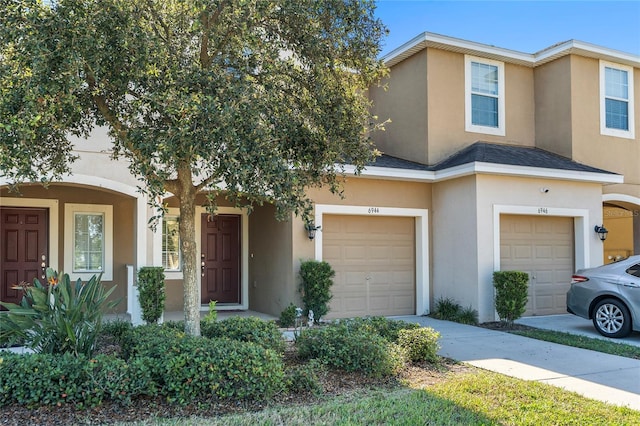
(546, 253)
(374, 260)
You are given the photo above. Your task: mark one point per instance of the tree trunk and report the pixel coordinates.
(190, 268)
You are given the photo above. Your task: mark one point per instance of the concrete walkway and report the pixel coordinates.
(608, 378)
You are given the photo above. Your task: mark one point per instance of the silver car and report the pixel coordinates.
(609, 295)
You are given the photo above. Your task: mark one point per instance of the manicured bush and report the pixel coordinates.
(288, 316)
(151, 292)
(350, 350)
(150, 341)
(47, 379)
(317, 279)
(511, 294)
(384, 327)
(196, 367)
(246, 329)
(420, 344)
(59, 317)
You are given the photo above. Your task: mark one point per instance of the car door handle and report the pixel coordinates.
(632, 285)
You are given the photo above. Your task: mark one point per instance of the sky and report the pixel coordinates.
(524, 26)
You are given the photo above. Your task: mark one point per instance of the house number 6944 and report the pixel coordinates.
(373, 210)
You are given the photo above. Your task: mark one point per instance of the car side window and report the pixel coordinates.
(634, 270)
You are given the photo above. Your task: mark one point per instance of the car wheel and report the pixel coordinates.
(611, 318)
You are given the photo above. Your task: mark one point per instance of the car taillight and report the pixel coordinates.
(578, 279)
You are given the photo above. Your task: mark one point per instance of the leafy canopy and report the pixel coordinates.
(260, 99)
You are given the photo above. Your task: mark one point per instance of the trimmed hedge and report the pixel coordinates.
(420, 344)
(246, 329)
(384, 327)
(45, 379)
(351, 350)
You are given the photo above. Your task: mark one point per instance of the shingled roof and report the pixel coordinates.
(484, 152)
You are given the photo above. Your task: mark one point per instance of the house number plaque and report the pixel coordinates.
(373, 210)
(543, 210)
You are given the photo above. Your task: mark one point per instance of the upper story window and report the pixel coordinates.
(616, 100)
(170, 244)
(484, 96)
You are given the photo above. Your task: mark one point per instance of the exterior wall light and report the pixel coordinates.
(311, 230)
(602, 232)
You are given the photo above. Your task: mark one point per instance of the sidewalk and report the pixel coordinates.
(608, 378)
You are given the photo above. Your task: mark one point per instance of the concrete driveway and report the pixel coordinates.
(609, 378)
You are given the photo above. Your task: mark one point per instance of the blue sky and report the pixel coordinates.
(525, 26)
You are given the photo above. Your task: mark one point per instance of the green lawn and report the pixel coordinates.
(477, 398)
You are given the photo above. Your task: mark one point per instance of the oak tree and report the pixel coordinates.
(253, 100)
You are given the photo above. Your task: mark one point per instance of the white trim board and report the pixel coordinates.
(421, 237)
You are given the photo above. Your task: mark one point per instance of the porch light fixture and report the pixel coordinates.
(602, 232)
(311, 230)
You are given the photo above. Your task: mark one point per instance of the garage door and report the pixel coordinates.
(542, 247)
(374, 260)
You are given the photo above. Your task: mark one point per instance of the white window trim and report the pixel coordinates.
(604, 130)
(69, 211)
(469, 126)
(157, 242)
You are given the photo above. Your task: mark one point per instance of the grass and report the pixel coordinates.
(479, 398)
(567, 339)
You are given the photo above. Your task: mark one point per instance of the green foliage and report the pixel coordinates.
(511, 294)
(384, 327)
(315, 287)
(246, 329)
(193, 91)
(59, 317)
(47, 379)
(148, 340)
(449, 310)
(420, 344)
(350, 350)
(288, 316)
(151, 292)
(305, 377)
(212, 315)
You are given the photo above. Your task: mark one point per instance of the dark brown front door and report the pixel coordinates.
(24, 249)
(220, 258)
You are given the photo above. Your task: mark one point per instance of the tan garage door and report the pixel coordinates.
(374, 260)
(543, 247)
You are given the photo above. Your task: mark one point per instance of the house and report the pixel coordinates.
(493, 160)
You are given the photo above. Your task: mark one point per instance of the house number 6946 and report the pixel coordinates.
(373, 210)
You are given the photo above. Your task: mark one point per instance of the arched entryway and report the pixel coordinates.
(621, 217)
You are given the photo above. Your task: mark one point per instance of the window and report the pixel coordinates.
(484, 96)
(616, 100)
(88, 241)
(170, 244)
(634, 270)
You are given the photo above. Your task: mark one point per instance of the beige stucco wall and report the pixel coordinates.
(619, 223)
(454, 248)
(402, 98)
(552, 82)
(464, 231)
(124, 243)
(614, 154)
(447, 134)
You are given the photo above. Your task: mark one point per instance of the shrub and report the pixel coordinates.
(246, 329)
(288, 316)
(315, 288)
(151, 293)
(511, 294)
(59, 317)
(48, 379)
(304, 378)
(384, 327)
(350, 350)
(420, 344)
(150, 341)
(212, 315)
(449, 310)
